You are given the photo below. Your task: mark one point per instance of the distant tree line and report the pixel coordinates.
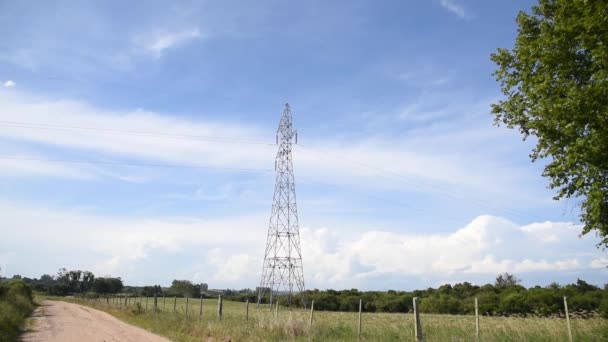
(505, 297)
(77, 282)
(73, 282)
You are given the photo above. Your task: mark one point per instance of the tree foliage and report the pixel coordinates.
(555, 80)
(505, 280)
(107, 285)
(74, 282)
(505, 297)
(184, 288)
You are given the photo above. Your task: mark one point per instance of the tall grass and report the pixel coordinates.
(16, 304)
(338, 326)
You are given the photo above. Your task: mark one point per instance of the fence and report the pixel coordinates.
(154, 304)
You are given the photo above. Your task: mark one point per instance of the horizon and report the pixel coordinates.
(213, 289)
(143, 146)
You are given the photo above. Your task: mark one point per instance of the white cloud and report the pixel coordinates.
(486, 246)
(157, 42)
(454, 7)
(437, 161)
(117, 244)
(232, 267)
(9, 84)
(228, 251)
(178, 149)
(32, 165)
(601, 262)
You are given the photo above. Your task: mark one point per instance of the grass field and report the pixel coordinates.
(337, 326)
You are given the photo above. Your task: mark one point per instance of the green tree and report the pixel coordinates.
(555, 80)
(105, 285)
(184, 288)
(505, 280)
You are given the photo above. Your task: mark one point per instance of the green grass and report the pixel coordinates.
(337, 326)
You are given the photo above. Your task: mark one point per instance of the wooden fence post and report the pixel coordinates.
(312, 310)
(417, 323)
(276, 313)
(219, 307)
(163, 303)
(476, 320)
(568, 319)
(200, 311)
(270, 301)
(125, 299)
(146, 303)
(187, 306)
(174, 303)
(155, 302)
(247, 310)
(360, 309)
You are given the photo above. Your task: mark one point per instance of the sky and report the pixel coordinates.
(140, 141)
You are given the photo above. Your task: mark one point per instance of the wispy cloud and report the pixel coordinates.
(9, 84)
(415, 161)
(454, 7)
(23, 166)
(157, 42)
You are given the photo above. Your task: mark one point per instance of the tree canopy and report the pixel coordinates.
(555, 80)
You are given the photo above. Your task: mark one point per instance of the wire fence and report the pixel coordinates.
(207, 309)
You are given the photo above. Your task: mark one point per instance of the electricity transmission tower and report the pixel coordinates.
(282, 270)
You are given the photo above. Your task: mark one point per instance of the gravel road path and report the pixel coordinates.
(67, 322)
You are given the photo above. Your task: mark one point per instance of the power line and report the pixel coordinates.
(383, 172)
(17, 124)
(396, 175)
(135, 164)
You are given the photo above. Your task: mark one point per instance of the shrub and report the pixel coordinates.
(16, 304)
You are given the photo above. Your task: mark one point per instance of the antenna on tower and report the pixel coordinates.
(282, 271)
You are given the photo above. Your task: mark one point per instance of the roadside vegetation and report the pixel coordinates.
(508, 310)
(505, 297)
(293, 323)
(16, 304)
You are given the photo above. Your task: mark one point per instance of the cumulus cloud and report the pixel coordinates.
(9, 84)
(116, 244)
(485, 247)
(454, 7)
(228, 251)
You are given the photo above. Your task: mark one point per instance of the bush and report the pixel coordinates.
(603, 309)
(16, 304)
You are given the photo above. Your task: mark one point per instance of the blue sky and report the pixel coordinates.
(402, 180)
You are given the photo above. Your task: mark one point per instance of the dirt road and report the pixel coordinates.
(67, 322)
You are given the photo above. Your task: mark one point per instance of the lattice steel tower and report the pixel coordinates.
(282, 272)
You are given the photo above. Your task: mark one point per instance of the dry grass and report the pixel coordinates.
(340, 326)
